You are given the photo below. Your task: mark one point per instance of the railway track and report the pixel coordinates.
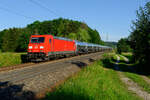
(37, 77)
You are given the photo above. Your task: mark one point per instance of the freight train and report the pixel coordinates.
(46, 47)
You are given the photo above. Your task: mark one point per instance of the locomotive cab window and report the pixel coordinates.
(37, 40)
(49, 40)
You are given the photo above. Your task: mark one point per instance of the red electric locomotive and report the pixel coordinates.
(44, 47)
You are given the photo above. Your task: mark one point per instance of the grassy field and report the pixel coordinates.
(94, 82)
(10, 59)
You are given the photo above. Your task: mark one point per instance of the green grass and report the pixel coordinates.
(121, 58)
(114, 57)
(94, 82)
(10, 59)
(129, 56)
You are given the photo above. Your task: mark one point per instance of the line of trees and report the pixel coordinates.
(139, 39)
(16, 39)
(123, 45)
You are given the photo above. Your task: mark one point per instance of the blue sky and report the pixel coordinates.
(112, 17)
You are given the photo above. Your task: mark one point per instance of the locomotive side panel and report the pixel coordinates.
(71, 46)
(58, 45)
(63, 46)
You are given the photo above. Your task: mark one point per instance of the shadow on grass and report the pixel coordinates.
(66, 95)
(10, 91)
(79, 64)
(123, 66)
(82, 64)
(91, 60)
(24, 58)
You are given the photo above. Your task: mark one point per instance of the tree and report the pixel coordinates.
(123, 46)
(140, 36)
(9, 39)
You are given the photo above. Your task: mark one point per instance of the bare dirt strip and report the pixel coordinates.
(146, 79)
(132, 86)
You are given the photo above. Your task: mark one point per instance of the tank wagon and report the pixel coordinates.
(45, 47)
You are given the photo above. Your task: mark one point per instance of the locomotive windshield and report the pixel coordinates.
(37, 40)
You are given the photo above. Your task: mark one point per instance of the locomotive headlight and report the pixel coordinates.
(41, 47)
(30, 47)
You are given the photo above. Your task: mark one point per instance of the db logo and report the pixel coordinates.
(36, 47)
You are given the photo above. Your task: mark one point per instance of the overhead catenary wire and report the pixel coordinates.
(16, 13)
(43, 7)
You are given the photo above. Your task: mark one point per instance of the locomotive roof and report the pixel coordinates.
(62, 38)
